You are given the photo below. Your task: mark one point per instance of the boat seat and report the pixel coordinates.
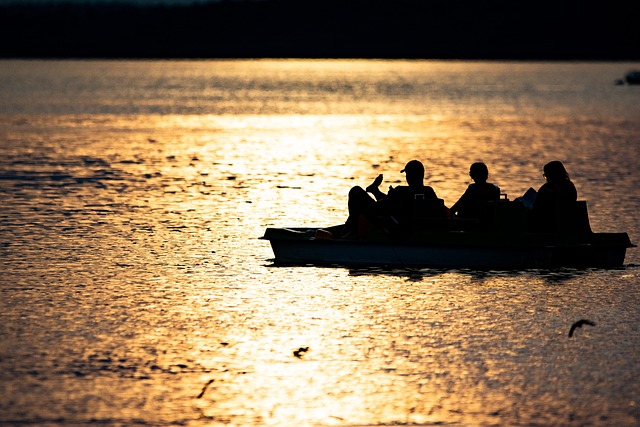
(571, 218)
(429, 214)
(566, 217)
(504, 216)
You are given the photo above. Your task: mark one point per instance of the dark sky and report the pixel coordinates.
(136, 2)
(438, 29)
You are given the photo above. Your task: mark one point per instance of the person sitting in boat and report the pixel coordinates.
(558, 188)
(393, 211)
(471, 203)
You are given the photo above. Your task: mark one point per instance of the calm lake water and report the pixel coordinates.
(134, 288)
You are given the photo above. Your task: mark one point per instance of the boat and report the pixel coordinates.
(503, 239)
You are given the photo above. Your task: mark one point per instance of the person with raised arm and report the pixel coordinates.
(393, 210)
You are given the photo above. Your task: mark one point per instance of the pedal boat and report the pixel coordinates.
(503, 240)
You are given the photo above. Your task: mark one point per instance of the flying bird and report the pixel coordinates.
(299, 352)
(579, 324)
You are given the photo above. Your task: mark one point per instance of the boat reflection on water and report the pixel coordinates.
(418, 274)
(556, 275)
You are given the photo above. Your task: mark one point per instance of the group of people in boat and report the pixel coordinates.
(370, 208)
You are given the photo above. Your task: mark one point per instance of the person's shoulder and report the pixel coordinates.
(545, 187)
(429, 191)
(545, 193)
(399, 189)
(411, 191)
(493, 187)
(572, 190)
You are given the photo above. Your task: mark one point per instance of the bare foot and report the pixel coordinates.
(375, 184)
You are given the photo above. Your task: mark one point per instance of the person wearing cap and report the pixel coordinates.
(396, 207)
(470, 204)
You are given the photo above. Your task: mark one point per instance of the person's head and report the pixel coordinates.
(479, 172)
(414, 171)
(555, 171)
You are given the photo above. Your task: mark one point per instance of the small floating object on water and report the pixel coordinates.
(204, 389)
(579, 324)
(300, 352)
(231, 178)
(632, 77)
(151, 140)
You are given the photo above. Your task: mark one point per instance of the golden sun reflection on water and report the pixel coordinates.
(360, 368)
(135, 275)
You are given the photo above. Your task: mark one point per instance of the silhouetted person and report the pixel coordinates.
(558, 188)
(470, 204)
(394, 210)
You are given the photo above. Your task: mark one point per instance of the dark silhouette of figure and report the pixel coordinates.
(393, 211)
(558, 188)
(579, 324)
(470, 204)
(300, 352)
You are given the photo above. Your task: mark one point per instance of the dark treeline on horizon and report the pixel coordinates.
(439, 29)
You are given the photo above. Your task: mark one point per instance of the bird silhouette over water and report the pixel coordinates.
(300, 352)
(579, 324)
